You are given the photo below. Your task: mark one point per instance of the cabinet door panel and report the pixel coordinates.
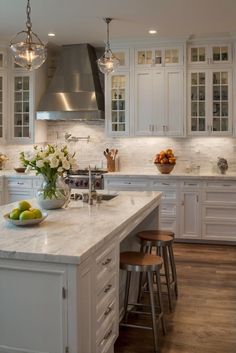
(174, 95)
(31, 309)
(143, 103)
(190, 215)
(158, 101)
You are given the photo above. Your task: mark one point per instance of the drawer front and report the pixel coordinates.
(105, 264)
(222, 184)
(23, 183)
(169, 224)
(219, 231)
(224, 213)
(168, 195)
(107, 338)
(167, 210)
(107, 290)
(158, 184)
(220, 196)
(104, 317)
(188, 184)
(127, 184)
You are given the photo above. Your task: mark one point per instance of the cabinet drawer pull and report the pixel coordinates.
(127, 182)
(165, 184)
(108, 287)
(226, 185)
(107, 312)
(191, 184)
(106, 262)
(107, 335)
(20, 183)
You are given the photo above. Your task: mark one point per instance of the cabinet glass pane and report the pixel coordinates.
(21, 107)
(121, 56)
(171, 56)
(144, 57)
(220, 101)
(118, 103)
(198, 54)
(198, 104)
(158, 57)
(220, 53)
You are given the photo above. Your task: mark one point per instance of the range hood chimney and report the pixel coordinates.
(75, 91)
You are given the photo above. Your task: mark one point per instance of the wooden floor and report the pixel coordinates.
(204, 318)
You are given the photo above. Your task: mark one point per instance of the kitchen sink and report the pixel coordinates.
(107, 197)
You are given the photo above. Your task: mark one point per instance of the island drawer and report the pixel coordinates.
(107, 337)
(167, 209)
(106, 290)
(105, 315)
(25, 183)
(105, 263)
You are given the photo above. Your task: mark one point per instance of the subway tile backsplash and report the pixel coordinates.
(135, 154)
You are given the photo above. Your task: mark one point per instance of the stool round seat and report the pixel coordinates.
(139, 262)
(153, 237)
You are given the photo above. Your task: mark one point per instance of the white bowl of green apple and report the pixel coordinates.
(25, 215)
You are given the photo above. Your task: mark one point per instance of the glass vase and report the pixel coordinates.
(53, 193)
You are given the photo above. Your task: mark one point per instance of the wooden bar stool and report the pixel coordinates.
(162, 241)
(149, 264)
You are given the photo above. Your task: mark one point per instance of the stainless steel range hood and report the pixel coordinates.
(75, 91)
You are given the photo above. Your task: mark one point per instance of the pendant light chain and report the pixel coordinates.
(108, 37)
(28, 11)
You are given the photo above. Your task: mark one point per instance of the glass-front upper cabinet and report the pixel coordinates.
(209, 54)
(210, 102)
(159, 57)
(123, 56)
(117, 106)
(22, 107)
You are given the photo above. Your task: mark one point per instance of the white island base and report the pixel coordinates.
(59, 282)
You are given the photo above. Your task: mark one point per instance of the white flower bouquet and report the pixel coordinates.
(50, 162)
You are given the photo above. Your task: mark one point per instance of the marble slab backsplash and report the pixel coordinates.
(135, 153)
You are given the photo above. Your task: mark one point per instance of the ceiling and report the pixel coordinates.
(80, 21)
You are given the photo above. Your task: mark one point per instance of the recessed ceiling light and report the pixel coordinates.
(152, 31)
(51, 34)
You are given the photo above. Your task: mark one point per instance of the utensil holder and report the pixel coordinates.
(111, 165)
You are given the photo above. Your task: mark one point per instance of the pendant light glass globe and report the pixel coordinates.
(108, 62)
(28, 50)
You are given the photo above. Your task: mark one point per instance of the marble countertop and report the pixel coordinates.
(13, 173)
(156, 174)
(70, 235)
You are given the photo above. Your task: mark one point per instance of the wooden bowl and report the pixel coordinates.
(165, 168)
(20, 169)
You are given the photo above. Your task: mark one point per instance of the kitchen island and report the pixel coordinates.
(59, 281)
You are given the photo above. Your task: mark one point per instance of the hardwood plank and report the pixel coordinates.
(204, 317)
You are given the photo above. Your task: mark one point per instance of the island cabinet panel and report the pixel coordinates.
(32, 309)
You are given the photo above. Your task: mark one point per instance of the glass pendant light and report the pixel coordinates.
(108, 62)
(28, 50)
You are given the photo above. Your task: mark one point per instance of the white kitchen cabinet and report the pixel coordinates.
(159, 102)
(159, 56)
(3, 95)
(210, 54)
(210, 102)
(219, 210)
(190, 200)
(1, 191)
(31, 293)
(22, 188)
(117, 104)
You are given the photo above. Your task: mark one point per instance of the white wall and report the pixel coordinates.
(135, 154)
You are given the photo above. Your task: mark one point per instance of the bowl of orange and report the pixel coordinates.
(165, 161)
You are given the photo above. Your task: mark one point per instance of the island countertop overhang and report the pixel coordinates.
(70, 235)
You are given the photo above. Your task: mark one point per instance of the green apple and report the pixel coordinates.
(24, 205)
(37, 213)
(26, 215)
(15, 213)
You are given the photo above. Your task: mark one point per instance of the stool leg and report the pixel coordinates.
(127, 285)
(173, 269)
(152, 303)
(140, 287)
(167, 275)
(160, 303)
